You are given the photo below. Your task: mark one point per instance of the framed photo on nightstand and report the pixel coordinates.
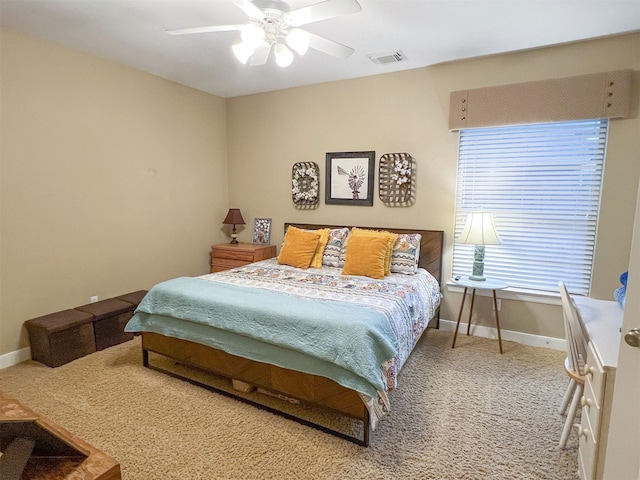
(261, 230)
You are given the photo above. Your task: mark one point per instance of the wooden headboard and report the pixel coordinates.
(431, 244)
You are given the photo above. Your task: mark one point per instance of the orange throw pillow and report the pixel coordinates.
(298, 248)
(366, 256)
(391, 240)
(316, 261)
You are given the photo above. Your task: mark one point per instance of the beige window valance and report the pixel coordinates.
(599, 95)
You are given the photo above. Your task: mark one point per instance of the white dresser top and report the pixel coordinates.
(603, 321)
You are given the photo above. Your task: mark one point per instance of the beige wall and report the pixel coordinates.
(111, 180)
(408, 112)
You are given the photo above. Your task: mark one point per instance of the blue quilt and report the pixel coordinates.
(351, 341)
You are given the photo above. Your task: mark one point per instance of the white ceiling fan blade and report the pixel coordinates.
(261, 55)
(329, 46)
(214, 28)
(250, 9)
(322, 11)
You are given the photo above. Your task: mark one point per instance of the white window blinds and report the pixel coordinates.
(542, 183)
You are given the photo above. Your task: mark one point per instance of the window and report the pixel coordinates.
(542, 183)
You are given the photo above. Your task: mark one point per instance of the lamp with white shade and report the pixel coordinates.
(479, 230)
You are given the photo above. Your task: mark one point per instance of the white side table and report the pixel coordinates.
(488, 284)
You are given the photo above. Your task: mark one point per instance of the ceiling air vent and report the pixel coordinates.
(384, 58)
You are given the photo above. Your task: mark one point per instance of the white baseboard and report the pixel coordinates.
(510, 335)
(15, 357)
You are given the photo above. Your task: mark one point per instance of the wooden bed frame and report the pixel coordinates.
(301, 386)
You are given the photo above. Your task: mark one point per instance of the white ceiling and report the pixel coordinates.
(132, 32)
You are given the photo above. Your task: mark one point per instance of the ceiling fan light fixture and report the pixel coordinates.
(298, 40)
(242, 51)
(284, 56)
(252, 35)
(272, 26)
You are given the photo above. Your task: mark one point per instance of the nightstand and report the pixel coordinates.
(488, 284)
(230, 255)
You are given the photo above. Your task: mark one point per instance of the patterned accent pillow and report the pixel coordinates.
(405, 254)
(335, 250)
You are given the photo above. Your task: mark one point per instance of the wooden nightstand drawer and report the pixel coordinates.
(227, 263)
(230, 255)
(242, 255)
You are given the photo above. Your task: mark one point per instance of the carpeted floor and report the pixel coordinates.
(466, 413)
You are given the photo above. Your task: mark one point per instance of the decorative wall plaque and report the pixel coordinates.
(395, 178)
(305, 183)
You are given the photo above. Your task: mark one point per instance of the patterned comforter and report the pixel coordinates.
(407, 301)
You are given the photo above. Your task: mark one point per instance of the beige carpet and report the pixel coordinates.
(467, 413)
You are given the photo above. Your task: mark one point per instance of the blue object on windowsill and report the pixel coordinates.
(620, 293)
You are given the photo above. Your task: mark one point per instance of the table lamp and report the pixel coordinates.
(479, 230)
(234, 217)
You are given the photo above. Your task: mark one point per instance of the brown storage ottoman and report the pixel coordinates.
(109, 319)
(61, 337)
(134, 297)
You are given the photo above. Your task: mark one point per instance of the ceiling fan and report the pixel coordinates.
(273, 26)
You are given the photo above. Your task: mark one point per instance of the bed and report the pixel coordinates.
(264, 325)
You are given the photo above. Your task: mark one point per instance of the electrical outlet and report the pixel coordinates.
(94, 299)
(499, 302)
